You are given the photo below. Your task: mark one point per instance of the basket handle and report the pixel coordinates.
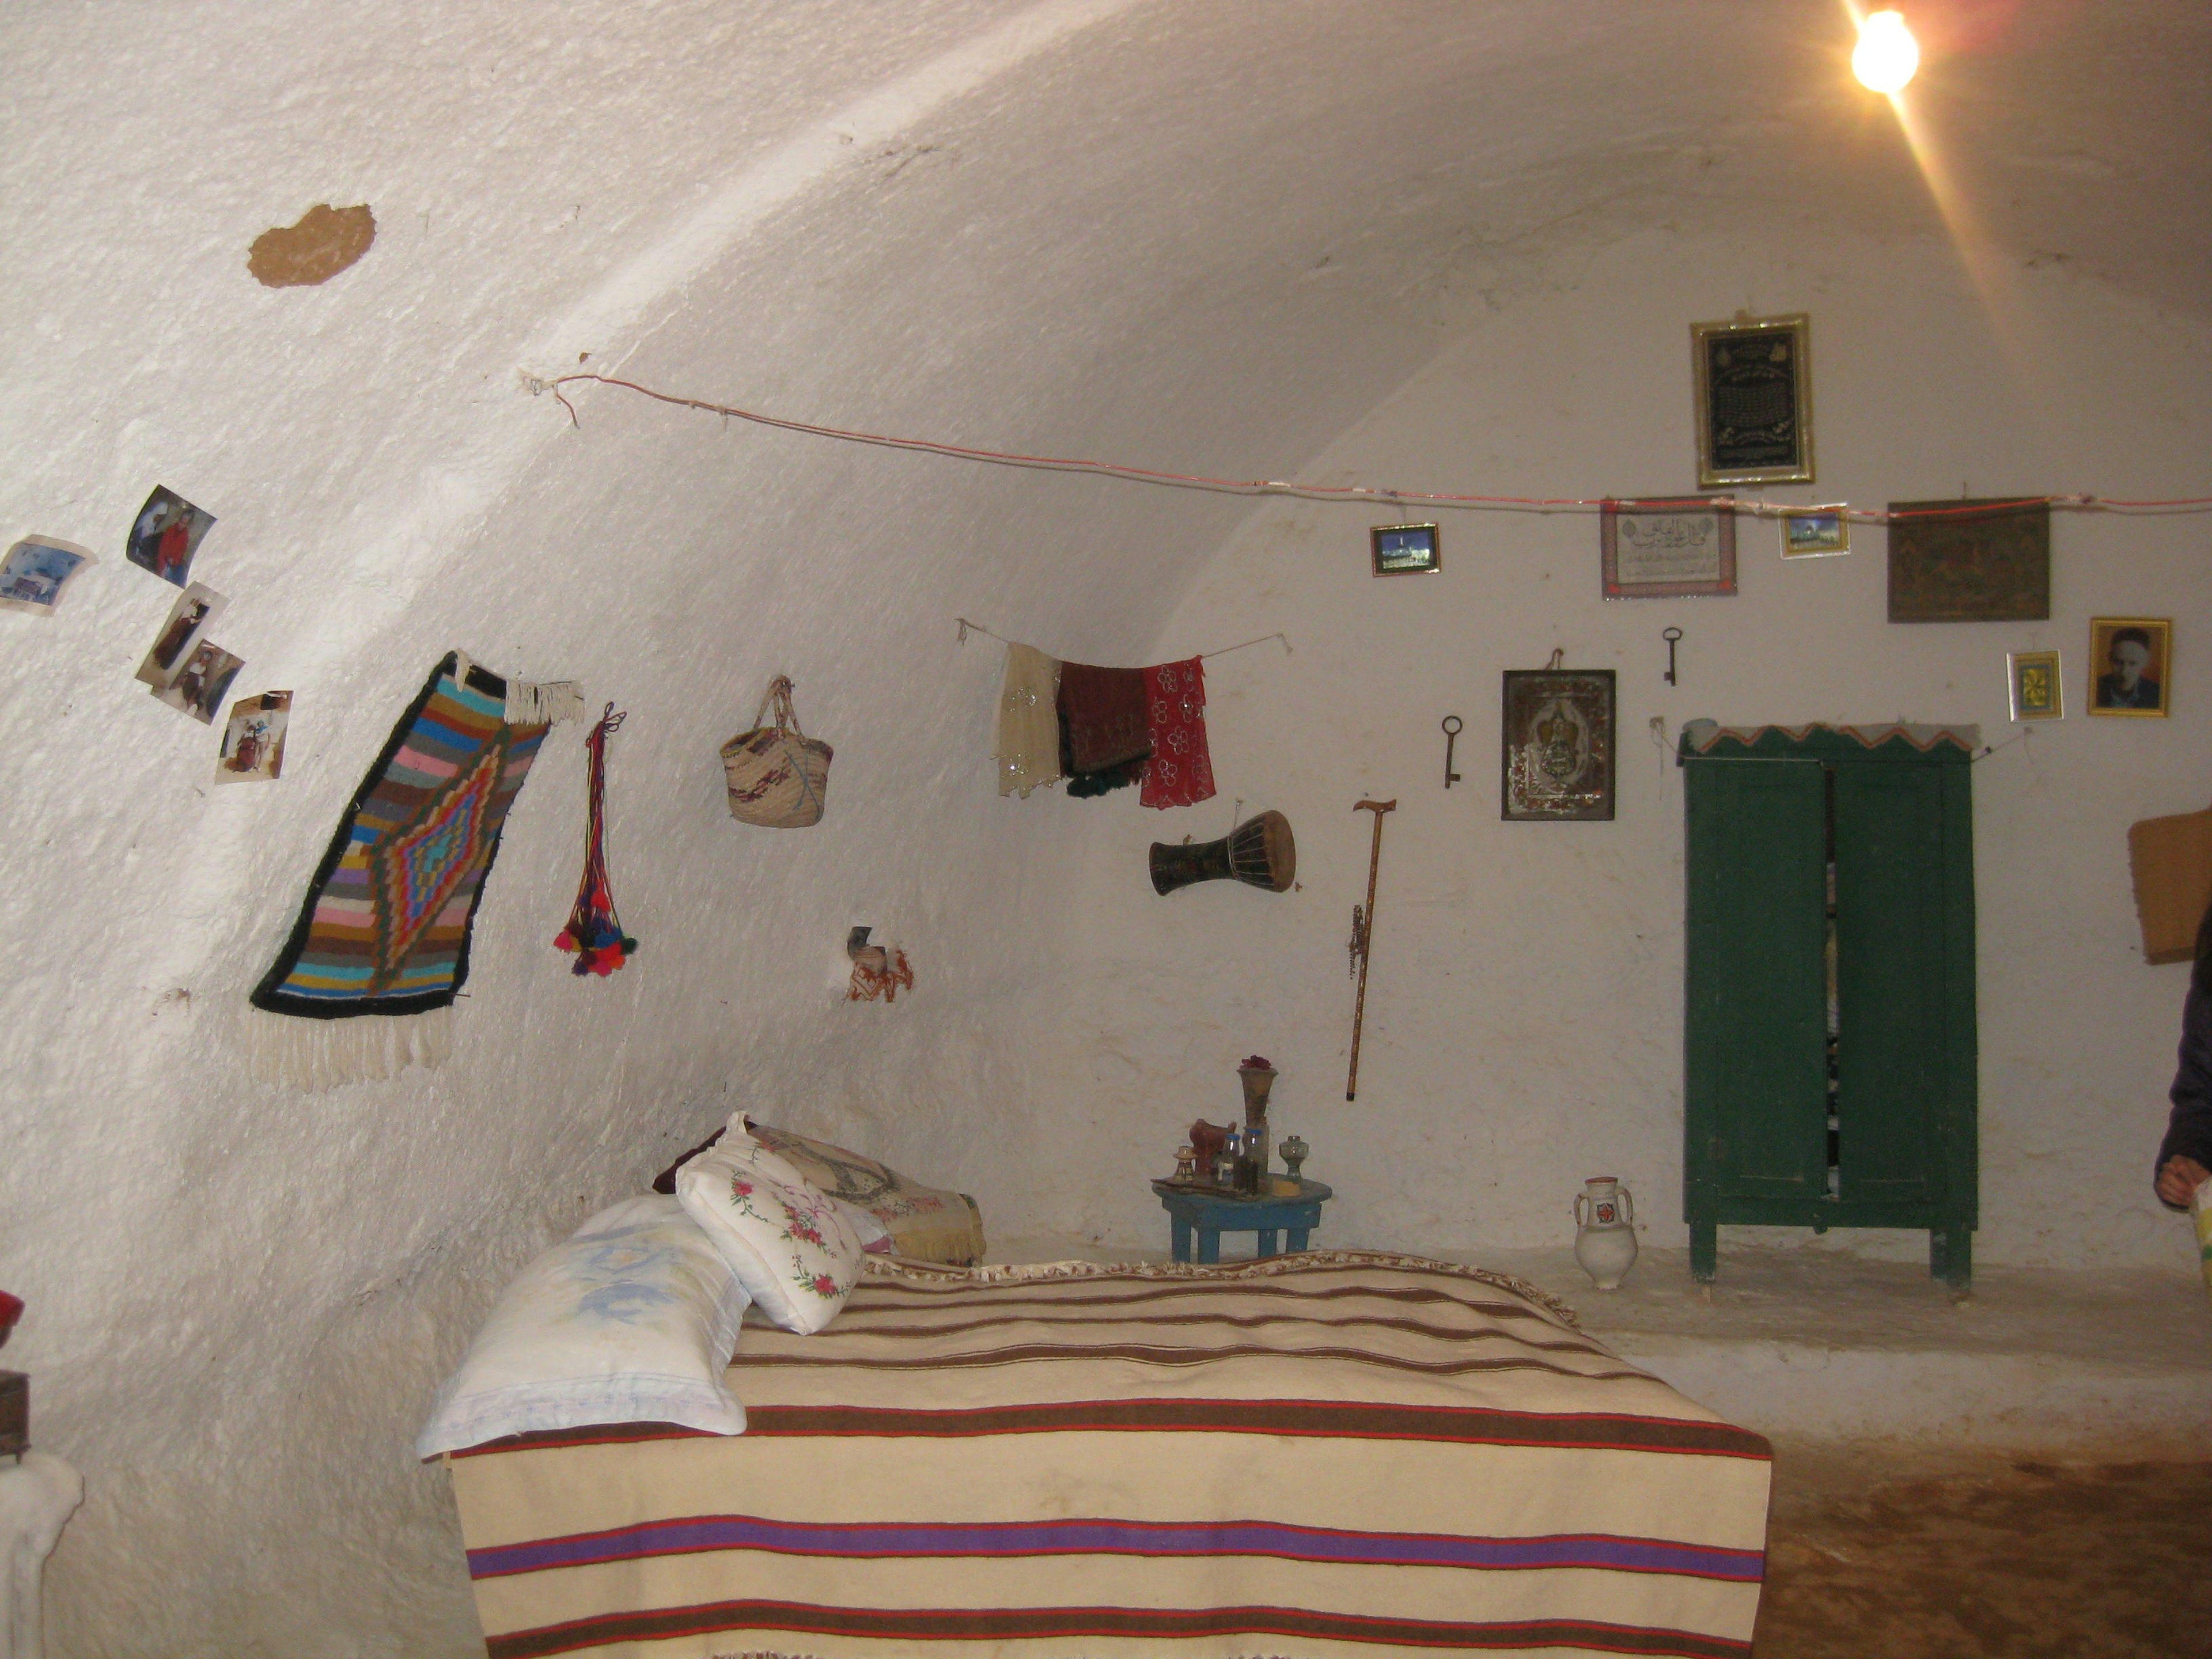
(778, 694)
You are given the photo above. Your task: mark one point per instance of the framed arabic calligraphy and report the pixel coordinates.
(1754, 400)
(1666, 549)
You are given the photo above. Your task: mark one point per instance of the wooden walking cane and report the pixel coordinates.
(1363, 936)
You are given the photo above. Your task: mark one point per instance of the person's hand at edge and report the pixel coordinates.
(2178, 1177)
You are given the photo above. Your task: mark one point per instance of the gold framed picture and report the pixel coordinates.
(1754, 379)
(1816, 532)
(2035, 688)
(2131, 665)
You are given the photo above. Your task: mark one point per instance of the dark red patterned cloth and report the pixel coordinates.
(1181, 771)
(1106, 718)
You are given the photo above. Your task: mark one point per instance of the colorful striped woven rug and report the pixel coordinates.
(384, 930)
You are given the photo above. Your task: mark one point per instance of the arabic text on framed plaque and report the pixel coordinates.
(1666, 549)
(1754, 401)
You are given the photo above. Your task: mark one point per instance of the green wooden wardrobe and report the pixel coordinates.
(1829, 1052)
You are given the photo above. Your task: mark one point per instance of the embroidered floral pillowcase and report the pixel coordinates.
(795, 1255)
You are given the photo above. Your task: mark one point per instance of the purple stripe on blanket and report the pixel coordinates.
(1000, 1539)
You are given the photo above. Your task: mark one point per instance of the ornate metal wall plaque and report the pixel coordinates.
(1970, 560)
(1754, 400)
(1556, 761)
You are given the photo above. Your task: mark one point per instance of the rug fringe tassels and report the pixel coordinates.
(316, 1055)
(548, 703)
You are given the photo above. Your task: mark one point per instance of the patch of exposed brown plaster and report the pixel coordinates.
(324, 243)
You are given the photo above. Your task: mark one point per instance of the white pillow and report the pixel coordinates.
(631, 1320)
(794, 1254)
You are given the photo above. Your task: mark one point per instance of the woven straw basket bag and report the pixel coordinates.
(778, 774)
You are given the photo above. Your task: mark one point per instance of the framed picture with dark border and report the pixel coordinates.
(2033, 687)
(1754, 400)
(1406, 549)
(1556, 753)
(1666, 550)
(2131, 666)
(1970, 560)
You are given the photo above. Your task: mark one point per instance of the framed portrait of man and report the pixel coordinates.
(2131, 665)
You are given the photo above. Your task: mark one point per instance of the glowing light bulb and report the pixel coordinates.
(1887, 55)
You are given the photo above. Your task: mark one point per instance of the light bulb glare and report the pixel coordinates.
(1887, 55)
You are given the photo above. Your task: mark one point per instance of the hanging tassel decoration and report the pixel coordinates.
(595, 932)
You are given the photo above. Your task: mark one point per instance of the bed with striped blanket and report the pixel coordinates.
(1336, 1455)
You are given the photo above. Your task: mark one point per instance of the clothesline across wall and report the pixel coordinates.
(1751, 507)
(968, 627)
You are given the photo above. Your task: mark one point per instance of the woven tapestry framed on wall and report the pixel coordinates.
(1970, 560)
(1754, 400)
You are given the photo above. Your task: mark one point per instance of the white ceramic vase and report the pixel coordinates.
(1605, 1231)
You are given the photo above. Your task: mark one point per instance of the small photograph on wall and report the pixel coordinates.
(1970, 560)
(199, 689)
(2033, 684)
(2129, 660)
(36, 572)
(1402, 550)
(253, 739)
(189, 617)
(1754, 400)
(1818, 532)
(1556, 761)
(166, 534)
(1668, 549)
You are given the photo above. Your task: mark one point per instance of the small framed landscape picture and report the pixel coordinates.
(2032, 677)
(1817, 532)
(1405, 549)
(1666, 550)
(2131, 665)
(1754, 400)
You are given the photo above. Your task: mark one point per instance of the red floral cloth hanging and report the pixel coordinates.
(595, 932)
(1180, 772)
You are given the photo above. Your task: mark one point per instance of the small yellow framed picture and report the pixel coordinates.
(1816, 532)
(2035, 685)
(2131, 665)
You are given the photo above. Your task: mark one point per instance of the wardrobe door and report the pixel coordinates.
(1756, 1024)
(1894, 1082)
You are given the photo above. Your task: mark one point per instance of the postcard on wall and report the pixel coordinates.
(166, 534)
(2035, 691)
(1816, 532)
(253, 739)
(1556, 759)
(2130, 664)
(1970, 560)
(189, 617)
(1754, 379)
(199, 689)
(37, 572)
(1668, 549)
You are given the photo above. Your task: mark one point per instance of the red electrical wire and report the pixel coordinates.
(1364, 492)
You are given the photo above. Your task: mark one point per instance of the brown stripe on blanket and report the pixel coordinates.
(1139, 1354)
(868, 1298)
(1033, 1624)
(1241, 1322)
(1461, 1425)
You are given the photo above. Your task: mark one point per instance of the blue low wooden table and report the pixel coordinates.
(1210, 1212)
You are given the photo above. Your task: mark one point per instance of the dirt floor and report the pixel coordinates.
(1893, 1554)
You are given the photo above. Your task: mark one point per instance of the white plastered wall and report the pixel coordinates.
(1151, 232)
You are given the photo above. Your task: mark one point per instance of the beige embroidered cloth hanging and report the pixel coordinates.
(1029, 722)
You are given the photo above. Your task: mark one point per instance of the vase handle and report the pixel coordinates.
(1627, 1207)
(1581, 1199)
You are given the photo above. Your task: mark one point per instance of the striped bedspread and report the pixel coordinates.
(1330, 1455)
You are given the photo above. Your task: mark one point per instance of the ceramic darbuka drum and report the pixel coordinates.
(1605, 1235)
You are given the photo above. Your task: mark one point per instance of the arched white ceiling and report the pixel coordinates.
(1198, 237)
